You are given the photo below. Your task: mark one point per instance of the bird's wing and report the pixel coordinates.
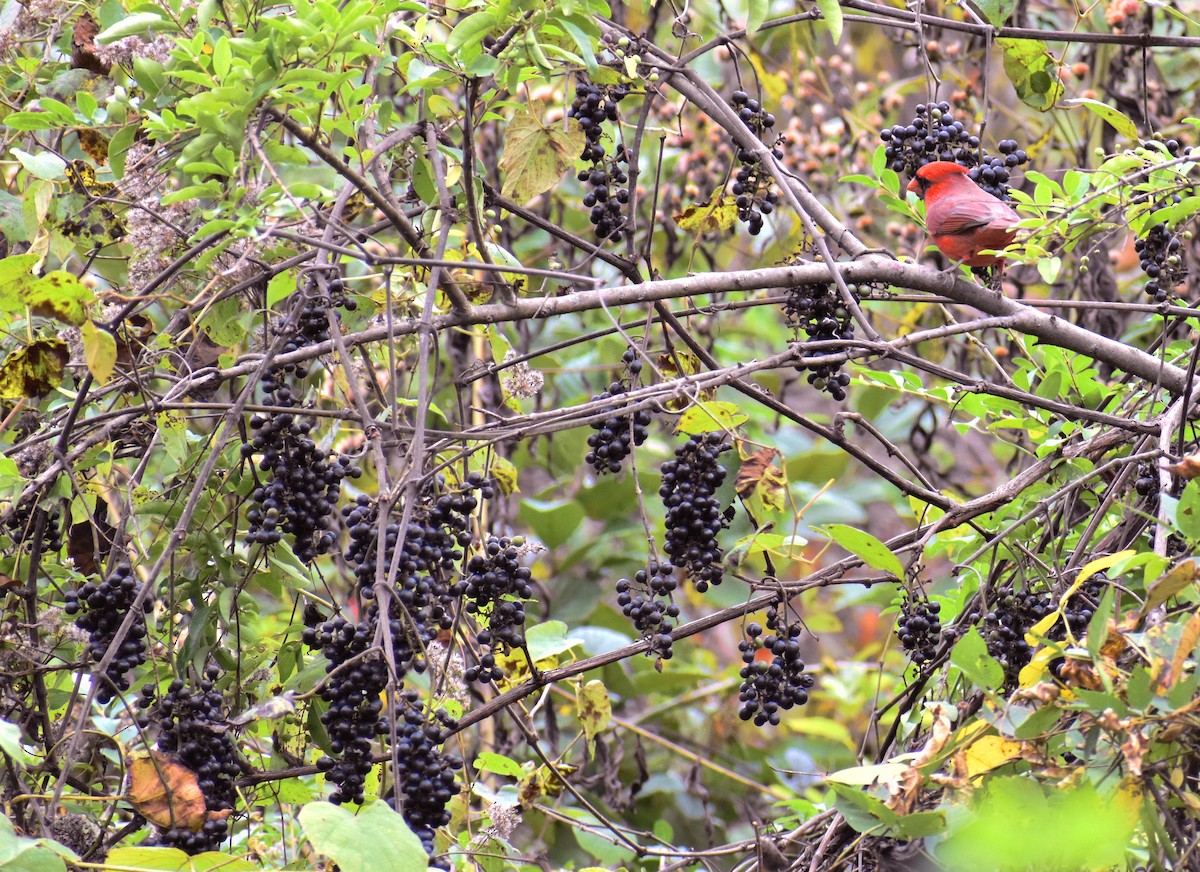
(955, 218)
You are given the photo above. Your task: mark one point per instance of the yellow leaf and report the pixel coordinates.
(595, 710)
(989, 752)
(1091, 568)
(1033, 671)
(99, 351)
(707, 217)
(536, 155)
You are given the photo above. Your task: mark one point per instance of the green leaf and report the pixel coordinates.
(223, 323)
(19, 854)
(10, 744)
(118, 148)
(866, 547)
(831, 11)
(996, 11)
(1032, 71)
(44, 166)
(864, 813)
(971, 656)
(175, 860)
(281, 286)
(1187, 515)
(31, 121)
(920, 825)
(471, 30)
(136, 25)
(1017, 826)
(375, 840)
(12, 218)
(553, 522)
(1117, 119)
(710, 417)
(756, 14)
(549, 639)
(498, 764)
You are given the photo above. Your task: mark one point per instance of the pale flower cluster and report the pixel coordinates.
(520, 379)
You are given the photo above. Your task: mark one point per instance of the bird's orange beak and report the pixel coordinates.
(913, 187)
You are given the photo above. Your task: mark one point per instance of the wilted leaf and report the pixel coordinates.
(595, 710)
(675, 365)
(1181, 576)
(759, 476)
(269, 709)
(33, 370)
(164, 791)
(83, 213)
(708, 217)
(536, 155)
(83, 46)
(94, 144)
(1187, 468)
(58, 295)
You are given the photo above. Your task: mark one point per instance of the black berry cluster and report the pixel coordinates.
(1005, 626)
(193, 729)
(935, 135)
(1081, 606)
(648, 601)
(428, 782)
(1146, 483)
(608, 177)
(694, 515)
(616, 435)
(356, 678)
(21, 523)
(102, 608)
(419, 608)
(752, 187)
(302, 482)
(919, 628)
(1161, 255)
(493, 590)
(818, 310)
(774, 684)
(302, 485)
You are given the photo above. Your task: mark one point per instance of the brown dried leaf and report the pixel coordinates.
(164, 791)
(759, 474)
(83, 47)
(1187, 468)
(1187, 644)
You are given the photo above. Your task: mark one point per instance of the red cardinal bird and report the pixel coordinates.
(961, 217)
